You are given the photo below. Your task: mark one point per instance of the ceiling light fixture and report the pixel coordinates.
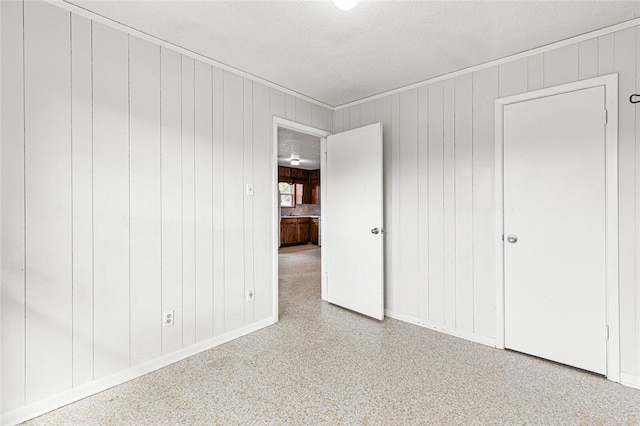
(345, 4)
(295, 160)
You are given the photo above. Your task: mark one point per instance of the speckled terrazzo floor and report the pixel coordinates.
(324, 365)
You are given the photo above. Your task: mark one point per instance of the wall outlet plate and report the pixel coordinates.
(168, 318)
(251, 295)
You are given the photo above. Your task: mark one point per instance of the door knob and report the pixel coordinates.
(512, 239)
(375, 231)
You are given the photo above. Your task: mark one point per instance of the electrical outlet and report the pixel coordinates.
(251, 296)
(167, 318)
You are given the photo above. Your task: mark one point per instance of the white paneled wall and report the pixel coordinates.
(123, 173)
(439, 182)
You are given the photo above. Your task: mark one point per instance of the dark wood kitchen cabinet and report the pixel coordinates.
(288, 231)
(314, 230)
(295, 230)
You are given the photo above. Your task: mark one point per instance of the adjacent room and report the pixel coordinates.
(319, 212)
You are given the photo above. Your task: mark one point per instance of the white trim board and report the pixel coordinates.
(75, 394)
(275, 206)
(466, 335)
(78, 10)
(610, 82)
(630, 380)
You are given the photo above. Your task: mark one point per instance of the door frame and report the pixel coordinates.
(610, 83)
(279, 122)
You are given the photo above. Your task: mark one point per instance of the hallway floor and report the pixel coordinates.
(325, 365)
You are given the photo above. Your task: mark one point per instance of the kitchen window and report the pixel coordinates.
(290, 194)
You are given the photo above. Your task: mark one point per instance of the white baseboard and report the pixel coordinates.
(75, 394)
(477, 338)
(630, 380)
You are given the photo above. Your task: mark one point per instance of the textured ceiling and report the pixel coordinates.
(337, 57)
(305, 146)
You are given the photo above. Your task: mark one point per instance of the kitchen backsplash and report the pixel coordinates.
(301, 210)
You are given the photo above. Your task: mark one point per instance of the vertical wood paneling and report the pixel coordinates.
(290, 107)
(306, 112)
(395, 294)
(321, 118)
(625, 65)
(145, 199)
(423, 202)
(188, 204)
(464, 202)
(367, 113)
(299, 110)
(354, 117)
(82, 172)
(588, 59)
(346, 122)
(513, 77)
(436, 204)
(383, 115)
(218, 203)
(278, 106)
(171, 166)
(408, 198)
(111, 200)
(248, 200)
(485, 91)
(449, 205)
(561, 65)
(233, 199)
(606, 52)
(48, 189)
(13, 248)
(338, 125)
(535, 71)
(264, 188)
(203, 150)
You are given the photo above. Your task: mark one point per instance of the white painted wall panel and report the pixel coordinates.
(535, 71)
(13, 249)
(111, 200)
(408, 198)
(367, 113)
(588, 56)
(218, 203)
(171, 178)
(449, 205)
(248, 207)
(423, 202)
(264, 189)
(606, 52)
(561, 65)
(306, 111)
(82, 173)
(435, 170)
(204, 200)
(513, 77)
(625, 64)
(145, 201)
(234, 200)
(48, 234)
(464, 203)
(188, 204)
(394, 295)
(290, 107)
(485, 91)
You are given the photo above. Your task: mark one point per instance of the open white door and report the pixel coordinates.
(352, 216)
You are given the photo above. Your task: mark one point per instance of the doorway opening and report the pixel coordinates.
(298, 192)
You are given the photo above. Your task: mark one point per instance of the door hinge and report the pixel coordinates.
(606, 117)
(606, 332)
